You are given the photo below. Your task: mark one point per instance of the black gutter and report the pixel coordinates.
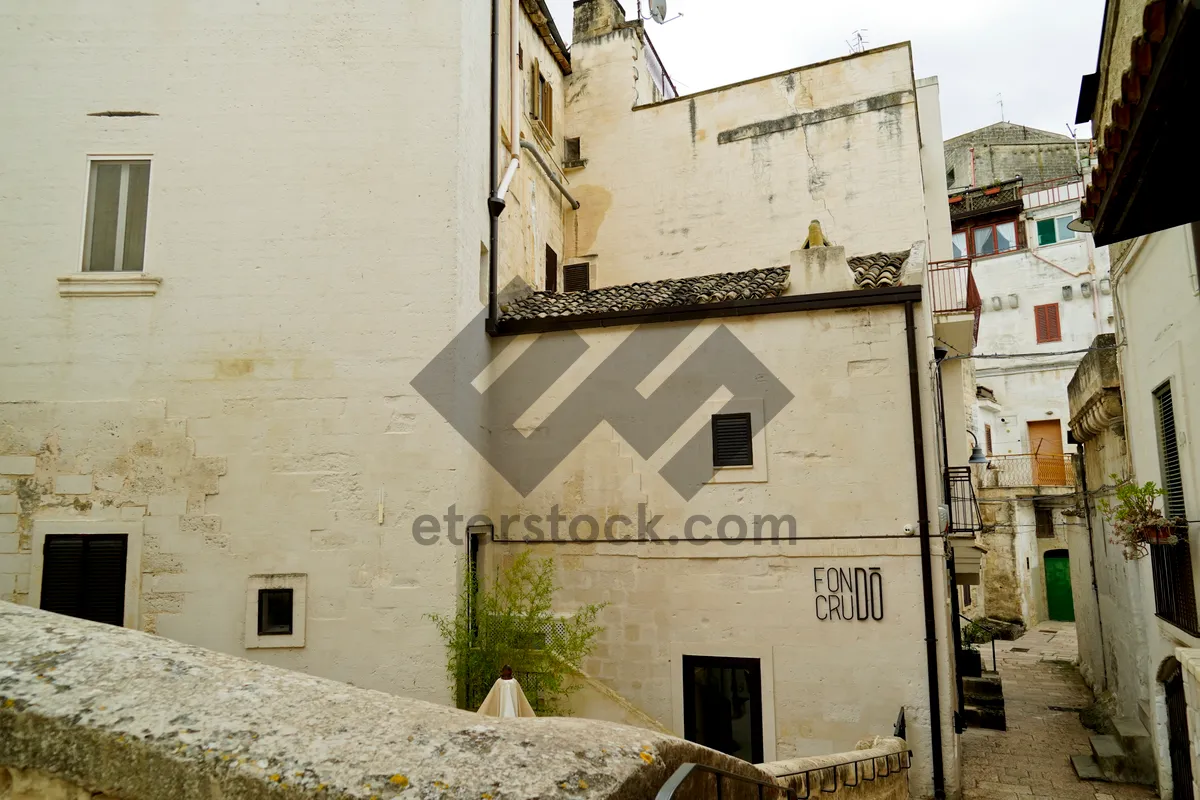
(860, 298)
(935, 702)
(955, 610)
(495, 205)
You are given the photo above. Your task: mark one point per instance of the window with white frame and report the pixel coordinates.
(118, 199)
(1054, 229)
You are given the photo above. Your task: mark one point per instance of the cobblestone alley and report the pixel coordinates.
(1043, 692)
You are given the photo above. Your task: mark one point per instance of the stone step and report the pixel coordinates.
(986, 686)
(1109, 754)
(1086, 768)
(982, 717)
(984, 701)
(1120, 763)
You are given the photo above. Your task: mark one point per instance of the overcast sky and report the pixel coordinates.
(1031, 52)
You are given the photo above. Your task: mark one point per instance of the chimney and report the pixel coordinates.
(596, 17)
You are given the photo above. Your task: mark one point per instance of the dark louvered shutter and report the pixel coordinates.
(575, 278)
(62, 574)
(1168, 444)
(732, 440)
(84, 576)
(104, 570)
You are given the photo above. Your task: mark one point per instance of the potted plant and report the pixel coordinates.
(1135, 521)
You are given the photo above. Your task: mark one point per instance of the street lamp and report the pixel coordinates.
(977, 455)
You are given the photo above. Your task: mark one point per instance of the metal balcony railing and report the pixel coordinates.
(1174, 592)
(952, 289)
(1052, 192)
(1030, 469)
(964, 507)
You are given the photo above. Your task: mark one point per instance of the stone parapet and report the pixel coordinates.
(109, 710)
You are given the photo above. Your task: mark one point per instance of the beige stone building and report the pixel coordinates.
(250, 296)
(1134, 406)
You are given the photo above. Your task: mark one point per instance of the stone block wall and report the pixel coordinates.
(92, 710)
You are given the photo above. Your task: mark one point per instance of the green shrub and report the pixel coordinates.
(512, 622)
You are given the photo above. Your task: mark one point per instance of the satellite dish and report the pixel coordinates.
(658, 11)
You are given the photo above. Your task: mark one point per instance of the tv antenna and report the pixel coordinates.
(857, 41)
(1000, 100)
(658, 12)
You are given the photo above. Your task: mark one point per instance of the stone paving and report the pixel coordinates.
(1042, 692)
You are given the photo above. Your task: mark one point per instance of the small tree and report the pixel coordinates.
(512, 623)
(1134, 519)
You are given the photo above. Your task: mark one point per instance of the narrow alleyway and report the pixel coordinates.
(1043, 692)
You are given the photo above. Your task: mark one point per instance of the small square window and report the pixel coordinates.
(576, 278)
(274, 612)
(732, 440)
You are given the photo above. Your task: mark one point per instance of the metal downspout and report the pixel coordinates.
(955, 611)
(495, 205)
(527, 145)
(935, 701)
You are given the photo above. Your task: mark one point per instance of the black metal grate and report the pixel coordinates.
(576, 278)
(1174, 591)
(732, 440)
(964, 508)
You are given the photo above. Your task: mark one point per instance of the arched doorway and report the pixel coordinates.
(1059, 603)
(1170, 674)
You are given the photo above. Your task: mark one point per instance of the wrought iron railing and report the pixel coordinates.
(812, 782)
(952, 289)
(964, 507)
(1030, 470)
(1174, 589)
(970, 202)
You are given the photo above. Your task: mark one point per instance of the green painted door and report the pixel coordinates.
(1058, 586)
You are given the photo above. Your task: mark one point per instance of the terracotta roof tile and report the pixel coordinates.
(870, 272)
(878, 269)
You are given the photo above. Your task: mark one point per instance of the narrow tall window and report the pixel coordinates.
(1168, 449)
(118, 198)
(1046, 320)
(987, 438)
(541, 105)
(1044, 519)
(84, 576)
(732, 440)
(551, 269)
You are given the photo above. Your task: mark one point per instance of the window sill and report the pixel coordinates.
(108, 284)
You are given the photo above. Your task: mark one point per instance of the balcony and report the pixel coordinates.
(1030, 471)
(1052, 192)
(952, 291)
(969, 203)
(960, 496)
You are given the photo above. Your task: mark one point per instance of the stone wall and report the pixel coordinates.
(876, 770)
(836, 141)
(1005, 150)
(87, 708)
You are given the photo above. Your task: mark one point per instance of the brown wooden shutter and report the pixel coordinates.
(987, 436)
(1046, 319)
(548, 107)
(576, 278)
